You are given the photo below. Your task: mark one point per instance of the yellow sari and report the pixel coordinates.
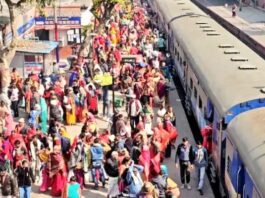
(70, 113)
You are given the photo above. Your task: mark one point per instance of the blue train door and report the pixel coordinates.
(248, 187)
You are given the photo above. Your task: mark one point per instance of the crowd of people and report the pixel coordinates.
(129, 155)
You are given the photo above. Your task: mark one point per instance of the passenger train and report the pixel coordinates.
(223, 80)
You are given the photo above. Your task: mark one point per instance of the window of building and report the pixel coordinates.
(195, 92)
(200, 102)
(30, 58)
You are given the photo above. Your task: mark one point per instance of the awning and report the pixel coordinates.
(36, 47)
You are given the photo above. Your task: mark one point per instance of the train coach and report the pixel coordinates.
(222, 79)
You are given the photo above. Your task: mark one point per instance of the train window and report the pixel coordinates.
(178, 55)
(176, 51)
(195, 92)
(184, 63)
(180, 60)
(200, 102)
(228, 164)
(191, 84)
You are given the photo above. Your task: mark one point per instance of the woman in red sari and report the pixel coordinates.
(57, 171)
(92, 100)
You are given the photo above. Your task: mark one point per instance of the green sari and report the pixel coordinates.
(43, 115)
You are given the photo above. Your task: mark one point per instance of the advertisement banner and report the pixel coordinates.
(104, 79)
(34, 67)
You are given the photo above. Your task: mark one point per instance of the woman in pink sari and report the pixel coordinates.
(57, 171)
(145, 161)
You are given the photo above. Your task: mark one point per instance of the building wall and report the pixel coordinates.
(62, 36)
(18, 63)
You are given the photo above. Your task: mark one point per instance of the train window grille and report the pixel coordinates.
(200, 102)
(181, 3)
(228, 166)
(180, 60)
(191, 84)
(195, 93)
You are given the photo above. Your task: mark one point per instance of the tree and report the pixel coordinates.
(102, 10)
(7, 52)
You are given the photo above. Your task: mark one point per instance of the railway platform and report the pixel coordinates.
(184, 130)
(248, 25)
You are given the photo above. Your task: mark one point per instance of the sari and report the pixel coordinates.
(43, 115)
(9, 124)
(144, 160)
(92, 101)
(57, 173)
(70, 113)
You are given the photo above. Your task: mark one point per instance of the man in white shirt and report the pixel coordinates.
(135, 108)
(14, 93)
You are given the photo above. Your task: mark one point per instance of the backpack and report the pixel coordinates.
(65, 142)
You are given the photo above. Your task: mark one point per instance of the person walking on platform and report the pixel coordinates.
(184, 155)
(234, 7)
(200, 157)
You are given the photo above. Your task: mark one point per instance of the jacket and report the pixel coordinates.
(134, 180)
(24, 176)
(204, 161)
(179, 153)
(9, 187)
(112, 168)
(97, 152)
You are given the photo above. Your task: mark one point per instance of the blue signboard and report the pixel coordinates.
(21, 30)
(60, 20)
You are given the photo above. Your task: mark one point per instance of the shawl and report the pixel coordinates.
(55, 163)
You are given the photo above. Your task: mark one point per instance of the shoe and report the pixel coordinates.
(182, 186)
(188, 187)
(201, 192)
(96, 187)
